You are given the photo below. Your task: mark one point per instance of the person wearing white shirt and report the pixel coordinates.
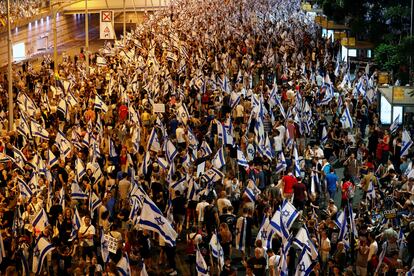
(278, 141)
(273, 262)
(222, 202)
(200, 211)
(85, 235)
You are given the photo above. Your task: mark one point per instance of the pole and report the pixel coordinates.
(124, 21)
(54, 38)
(9, 68)
(411, 39)
(87, 38)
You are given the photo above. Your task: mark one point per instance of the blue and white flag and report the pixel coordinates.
(62, 201)
(25, 189)
(205, 149)
(94, 202)
(324, 138)
(112, 150)
(223, 134)
(63, 108)
(38, 130)
(406, 143)
(40, 221)
(123, 266)
(52, 159)
(104, 248)
(162, 163)
(152, 219)
(352, 221)
(193, 190)
(346, 119)
(100, 104)
(281, 163)
(19, 158)
(371, 191)
(182, 114)
(63, 143)
(218, 160)
(381, 257)
(201, 265)
(145, 163)
(342, 223)
(283, 266)
(76, 224)
(241, 159)
(153, 142)
(192, 139)
(234, 99)
(41, 249)
(394, 125)
(265, 233)
(304, 241)
(171, 151)
(80, 169)
(296, 162)
(287, 213)
(179, 185)
(217, 250)
(76, 192)
(85, 140)
(305, 264)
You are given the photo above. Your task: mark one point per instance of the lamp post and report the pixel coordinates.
(9, 68)
(124, 21)
(54, 38)
(87, 38)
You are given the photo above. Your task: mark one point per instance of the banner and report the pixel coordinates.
(106, 27)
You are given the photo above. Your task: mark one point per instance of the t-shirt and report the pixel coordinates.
(299, 190)
(257, 265)
(200, 210)
(289, 181)
(85, 231)
(331, 180)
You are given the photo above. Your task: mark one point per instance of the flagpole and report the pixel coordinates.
(9, 68)
(54, 38)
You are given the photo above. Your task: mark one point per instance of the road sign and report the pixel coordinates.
(106, 27)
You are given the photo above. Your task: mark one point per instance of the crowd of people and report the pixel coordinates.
(227, 135)
(20, 9)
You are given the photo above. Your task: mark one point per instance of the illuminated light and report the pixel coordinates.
(41, 20)
(36, 23)
(57, 15)
(30, 25)
(17, 30)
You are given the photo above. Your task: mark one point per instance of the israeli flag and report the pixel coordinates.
(123, 266)
(324, 138)
(406, 143)
(305, 264)
(152, 219)
(296, 162)
(287, 213)
(94, 202)
(201, 265)
(41, 249)
(193, 190)
(62, 198)
(281, 163)
(171, 151)
(162, 163)
(153, 142)
(76, 224)
(241, 159)
(304, 241)
(192, 139)
(222, 133)
(179, 185)
(265, 233)
(19, 158)
(250, 194)
(234, 99)
(80, 169)
(25, 189)
(63, 143)
(341, 222)
(352, 220)
(218, 160)
(183, 114)
(394, 125)
(40, 221)
(346, 119)
(77, 193)
(52, 159)
(104, 248)
(85, 140)
(217, 250)
(39, 131)
(63, 108)
(100, 104)
(283, 258)
(23, 128)
(205, 149)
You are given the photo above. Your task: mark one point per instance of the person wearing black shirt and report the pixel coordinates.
(179, 210)
(257, 263)
(229, 218)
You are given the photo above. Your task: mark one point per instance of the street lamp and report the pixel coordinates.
(87, 37)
